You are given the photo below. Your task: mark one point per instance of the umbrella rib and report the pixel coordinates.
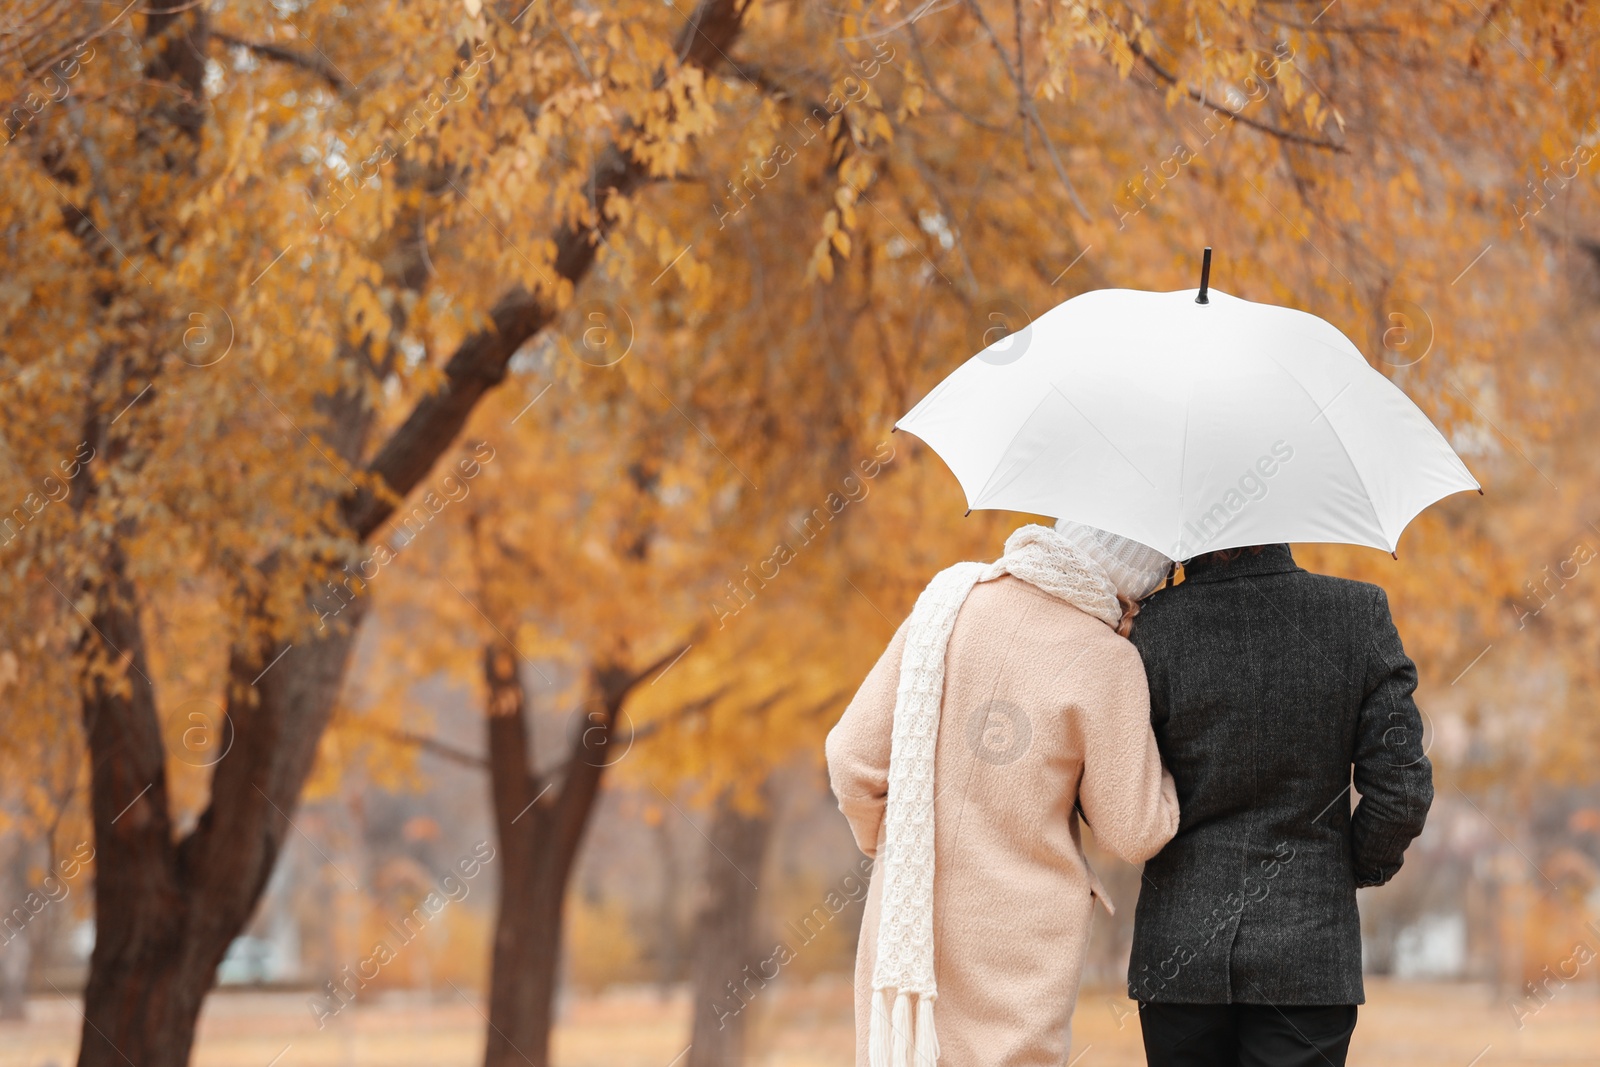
(1102, 434)
(989, 482)
(1183, 467)
(1365, 492)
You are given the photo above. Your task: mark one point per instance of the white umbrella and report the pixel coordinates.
(1189, 426)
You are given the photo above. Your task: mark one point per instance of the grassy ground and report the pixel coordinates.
(1402, 1025)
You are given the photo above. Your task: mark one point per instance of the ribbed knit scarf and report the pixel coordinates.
(903, 973)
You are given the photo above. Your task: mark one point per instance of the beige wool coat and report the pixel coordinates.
(1044, 707)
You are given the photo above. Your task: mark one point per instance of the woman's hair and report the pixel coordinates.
(1130, 608)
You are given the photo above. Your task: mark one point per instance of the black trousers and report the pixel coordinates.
(1246, 1035)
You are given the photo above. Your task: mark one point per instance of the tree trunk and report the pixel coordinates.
(541, 825)
(139, 1003)
(523, 967)
(15, 956)
(16, 937)
(728, 970)
(527, 956)
(165, 909)
(669, 940)
(14, 978)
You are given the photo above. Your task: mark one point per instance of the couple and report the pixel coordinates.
(1212, 738)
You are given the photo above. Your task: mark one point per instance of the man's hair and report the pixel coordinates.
(1228, 555)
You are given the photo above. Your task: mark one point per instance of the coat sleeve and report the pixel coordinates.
(1392, 773)
(858, 748)
(1128, 797)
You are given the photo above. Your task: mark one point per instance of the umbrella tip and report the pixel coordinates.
(1396, 555)
(969, 512)
(1205, 277)
(1480, 490)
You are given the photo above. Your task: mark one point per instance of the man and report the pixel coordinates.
(1268, 684)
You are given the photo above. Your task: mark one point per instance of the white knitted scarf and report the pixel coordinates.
(904, 968)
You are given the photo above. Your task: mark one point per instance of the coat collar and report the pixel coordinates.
(1273, 559)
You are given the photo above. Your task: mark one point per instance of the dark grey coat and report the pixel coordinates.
(1267, 685)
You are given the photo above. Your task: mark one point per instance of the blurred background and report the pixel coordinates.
(449, 492)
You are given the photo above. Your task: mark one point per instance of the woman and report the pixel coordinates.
(1010, 696)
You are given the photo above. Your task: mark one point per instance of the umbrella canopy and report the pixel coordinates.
(1189, 427)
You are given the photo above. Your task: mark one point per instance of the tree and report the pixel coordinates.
(168, 903)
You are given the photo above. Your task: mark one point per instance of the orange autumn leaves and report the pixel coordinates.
(834, 204)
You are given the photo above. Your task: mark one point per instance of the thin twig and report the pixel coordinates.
(1032, 112)
(933, 87)
(1332, 27)
(442, 749)
(1022, 80)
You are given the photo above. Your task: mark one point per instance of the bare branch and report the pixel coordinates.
(267, 50)
(758, 76)
(431, 745)
(667, 658)
(1198, 97)
(1025, 101)
(655, 726)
